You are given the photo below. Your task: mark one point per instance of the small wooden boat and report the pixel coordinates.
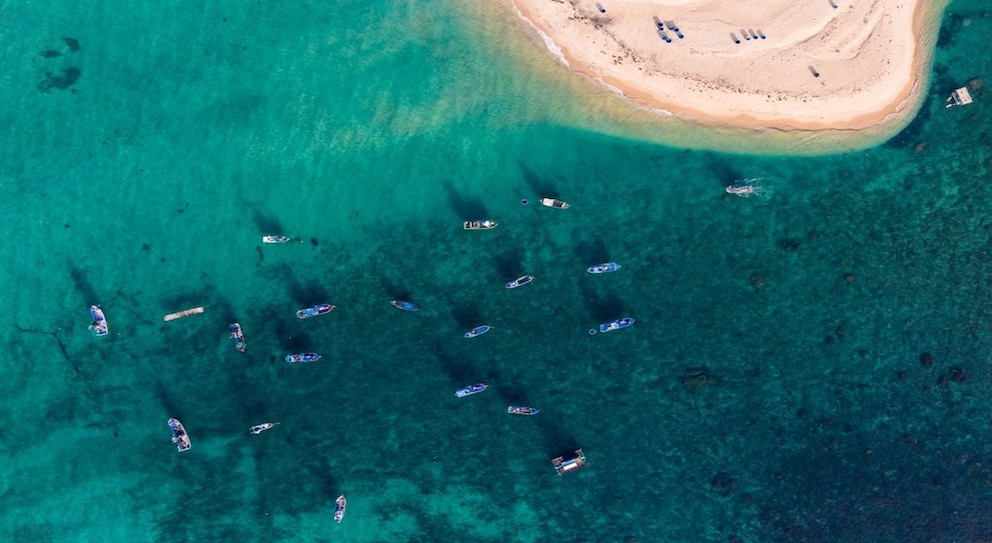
(604, 268)
(183, 313)
(522, 410)
(302, 357)
(479, 225)
(339, 506)
(405, 306)
(478, 331)
(238, 336)
(314, 311)
(99, 325)
(179, 436)
(616, 324)
(520, 281)
(259, 428)
(555, 203)
(471, 389)
(275, 239)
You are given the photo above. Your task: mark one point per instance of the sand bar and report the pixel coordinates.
(762, 64)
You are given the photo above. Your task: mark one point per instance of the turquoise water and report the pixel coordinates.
(771, 390)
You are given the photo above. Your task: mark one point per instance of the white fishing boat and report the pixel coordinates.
(276, 239)
(179, 435)
(554, 203)
(520, 281)
(99, 325)
(259, 428)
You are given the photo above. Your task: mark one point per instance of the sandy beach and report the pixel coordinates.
(762, 64)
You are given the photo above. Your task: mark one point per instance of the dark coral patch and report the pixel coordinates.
(72, 44)
(50, 54)
(67, 79)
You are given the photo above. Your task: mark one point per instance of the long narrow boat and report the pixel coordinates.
(471, 389)
(183, 313)
(340, 505)
(99, 325)
(259, 428)
(479, 225)
(606, 267)
(522, 410)
(314, 311)
(179, 436)
(405, 306)
(238, 336)
(616, 324)
(520, 281)
(302, 357)
(478, 331)
(555, 203)
(275, 239)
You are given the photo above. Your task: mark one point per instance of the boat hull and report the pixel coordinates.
(606, 267)
(479, 225)
(340, 505)
(179, 435)
(302, 357)
(315, 311)
(99, 326)
(238, 337)
(478, 331)
(405, 306)
(275, 239)
(520, 281)
(471, 389)
(554, 203)
(616, 324)
(522, 410)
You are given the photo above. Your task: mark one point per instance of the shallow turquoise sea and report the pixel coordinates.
(810, 364)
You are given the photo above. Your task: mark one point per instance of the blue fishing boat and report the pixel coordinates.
(616, 324)
(339, 506)
(302, 357)
(99, 325)
(478, 331)
(179, 436)
(522, 410)
(604, 268)
(238, 336)
(520, 281)
(405, 306)
(471, 389)
(314, 311)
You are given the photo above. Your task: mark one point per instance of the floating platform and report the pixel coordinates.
(183, 313)
(960, 97)
(568, 463)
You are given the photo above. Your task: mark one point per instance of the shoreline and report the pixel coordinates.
(901, 90)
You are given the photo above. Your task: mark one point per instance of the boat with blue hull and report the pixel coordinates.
(179, 435)
(616, 324)
(99, 325)
(237, 336)
(522, 410)
(471, 389)
(302, 357)
(478, 331)
(315, 311)
(606, 267)
(340, 505)
(520, 281)
(405, 306)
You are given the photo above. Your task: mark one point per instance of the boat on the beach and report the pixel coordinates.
(568, 463)
(520, 281)
(302, 357)
(522, 410)
(99, 325)
(238, 336)
(471, 389)
(405, 306)
(604, 268)
(478, 331)
(275, 239)
(314, 311)
(259, 428)
(479, 225)
(555, 203)
(179, 436)
(339, 506)
(616, 324)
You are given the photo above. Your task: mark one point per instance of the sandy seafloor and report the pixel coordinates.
(773, 389)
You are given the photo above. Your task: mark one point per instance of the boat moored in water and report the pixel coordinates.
(259, 428)
(478, 331)
(555, 203)
(743, 188)
(616, 324)
(479, 225)
(99, 325)
(471, 389)
(606, 267)
(238, 336)
(568, 463)
(522, 410)
(179, 435)
(520, 281)
(340, 505)
(275, 239)
(314, 311)
(405, 306)
(302, 357)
